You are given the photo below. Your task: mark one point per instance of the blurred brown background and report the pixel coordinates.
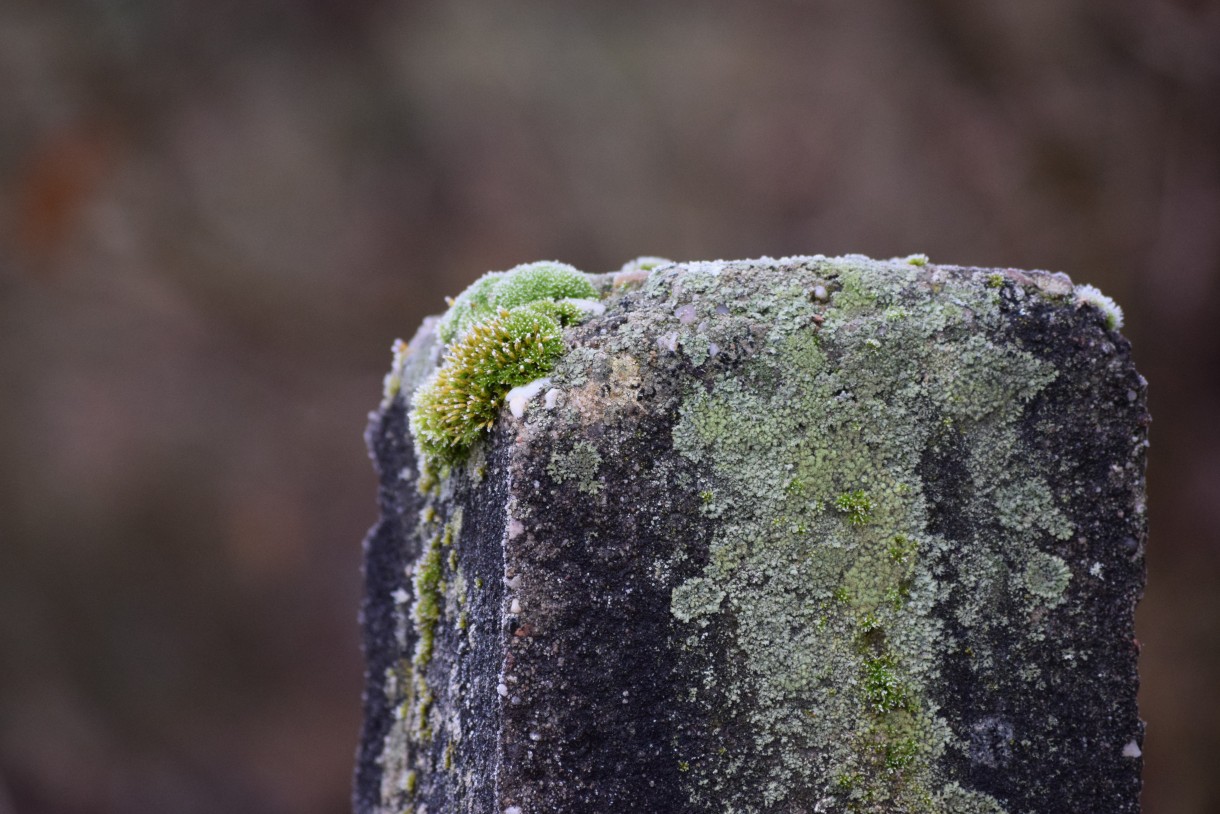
(215, 215)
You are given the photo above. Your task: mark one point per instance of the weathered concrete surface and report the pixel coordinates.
(783, 536)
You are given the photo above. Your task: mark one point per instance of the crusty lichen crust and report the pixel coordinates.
(828, 566)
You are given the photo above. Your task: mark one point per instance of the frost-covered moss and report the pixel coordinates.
(1091, 295)
(529, 282)
(533, 282)
(503, 331)
(461, 401)
(826, 559)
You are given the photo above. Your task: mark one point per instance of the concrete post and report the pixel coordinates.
(808, 535)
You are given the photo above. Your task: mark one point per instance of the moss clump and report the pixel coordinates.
(527, 283)
(460, 402)
(503, 331)
(533, 282)
(428, 601)
(469, 307)
(903, 548)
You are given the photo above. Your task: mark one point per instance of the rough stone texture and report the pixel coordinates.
(815, 534)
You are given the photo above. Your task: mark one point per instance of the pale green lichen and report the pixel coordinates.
(580, 464)
(1047, 577)
(825, 559)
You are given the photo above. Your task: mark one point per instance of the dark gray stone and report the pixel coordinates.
(828, 535)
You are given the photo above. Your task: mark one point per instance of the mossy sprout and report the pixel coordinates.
(883, 692)
(902, 548)
(857, 507)
(899, 754)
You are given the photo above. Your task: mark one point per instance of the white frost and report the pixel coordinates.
(1091, 295)
(591, 307)
(668, 342)
(518, 396)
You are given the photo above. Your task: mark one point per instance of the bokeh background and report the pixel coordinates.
(216, 215)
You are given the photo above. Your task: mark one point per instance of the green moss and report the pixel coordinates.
(447, 761)
(883, 692)
(434, 586)
(644, 264)
(856, 506)
(902, 549)
(534, 282)
(901, 753)
(825, 566)
(1110, 310)
(502, 331)
(527, 283)
(428, 601)
(469, 307)
(460, 403)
